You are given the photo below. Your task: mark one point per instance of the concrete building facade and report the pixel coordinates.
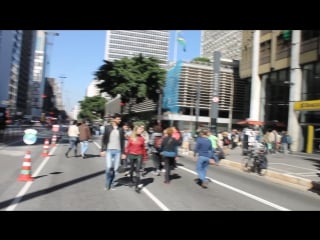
(188, 81)
(289, 72)
(227, 42)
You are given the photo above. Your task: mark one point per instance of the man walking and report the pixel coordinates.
(84, 136)
(112, 148)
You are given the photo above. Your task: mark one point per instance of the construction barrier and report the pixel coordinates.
(45, 152)
(25, 174)
(54, 140)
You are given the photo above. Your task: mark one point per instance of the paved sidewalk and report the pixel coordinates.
(296, 169)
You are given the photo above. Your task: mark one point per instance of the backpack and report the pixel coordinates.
(157, 142)
(226, 141)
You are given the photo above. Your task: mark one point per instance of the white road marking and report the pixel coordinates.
(240, 191)
(27, 185)
(148, 193)
(155, 199)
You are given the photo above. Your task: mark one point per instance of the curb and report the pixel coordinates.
(302, 182)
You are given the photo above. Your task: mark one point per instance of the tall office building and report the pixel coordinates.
(38, 74)
(128, 43)
(26, 73)
(40, 70)
(10, 54)
(228, 42)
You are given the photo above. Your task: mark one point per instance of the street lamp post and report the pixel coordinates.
(197, 106)
(159, 115)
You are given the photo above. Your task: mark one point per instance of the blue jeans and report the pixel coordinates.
(73, 142)
(84, 147)
(202, 166)
(112, 164)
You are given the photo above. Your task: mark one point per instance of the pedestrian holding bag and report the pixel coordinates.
(167, 153)
(121, 169)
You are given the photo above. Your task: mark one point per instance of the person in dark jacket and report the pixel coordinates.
(156, 157)
(112, 147)
(203, 153)
(84, 137)
(169, 148)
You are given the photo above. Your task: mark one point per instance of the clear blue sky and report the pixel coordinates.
(77, 54)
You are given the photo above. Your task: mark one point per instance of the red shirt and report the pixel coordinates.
(136, 147)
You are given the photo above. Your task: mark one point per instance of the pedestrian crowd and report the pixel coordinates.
(126, 148)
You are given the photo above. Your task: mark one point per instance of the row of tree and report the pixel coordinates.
(136, 79)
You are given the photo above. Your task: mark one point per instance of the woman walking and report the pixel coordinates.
(136, 153)
(169, 148)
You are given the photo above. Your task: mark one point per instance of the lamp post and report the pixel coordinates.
(197, 106)
(61, 89)
(159, 115)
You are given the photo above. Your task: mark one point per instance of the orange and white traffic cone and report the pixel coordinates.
(25, 174)
(53, 140)
(45, 152)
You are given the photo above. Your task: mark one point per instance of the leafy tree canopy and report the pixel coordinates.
(92, 108)
(136, 78)
(201, 59)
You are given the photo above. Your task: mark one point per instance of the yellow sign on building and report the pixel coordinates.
(313, 105)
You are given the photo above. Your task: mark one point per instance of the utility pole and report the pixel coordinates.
(61, 82)
(215, 92)
(61, 88)
(159, 116)
(197, 106)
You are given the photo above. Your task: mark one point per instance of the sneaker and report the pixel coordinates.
(163, 170)
(66, 154)
(204, 184)
(157, 173)
(198, 181)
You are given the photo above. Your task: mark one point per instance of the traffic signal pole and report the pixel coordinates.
(214, 110)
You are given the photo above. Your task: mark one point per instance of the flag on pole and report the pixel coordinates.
(182, 41)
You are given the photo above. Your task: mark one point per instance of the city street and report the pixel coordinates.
(74, 183)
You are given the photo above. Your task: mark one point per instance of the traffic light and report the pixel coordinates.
(286, 34)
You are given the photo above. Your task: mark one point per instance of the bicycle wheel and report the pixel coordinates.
(263, 166)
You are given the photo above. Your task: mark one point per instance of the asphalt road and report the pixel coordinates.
(68, 184)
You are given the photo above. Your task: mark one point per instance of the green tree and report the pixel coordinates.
(92, 108)
(135, 79)
(201, 59)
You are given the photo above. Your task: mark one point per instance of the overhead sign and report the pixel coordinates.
(312, 105)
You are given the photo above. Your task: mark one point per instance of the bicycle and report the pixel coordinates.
(256, 160)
